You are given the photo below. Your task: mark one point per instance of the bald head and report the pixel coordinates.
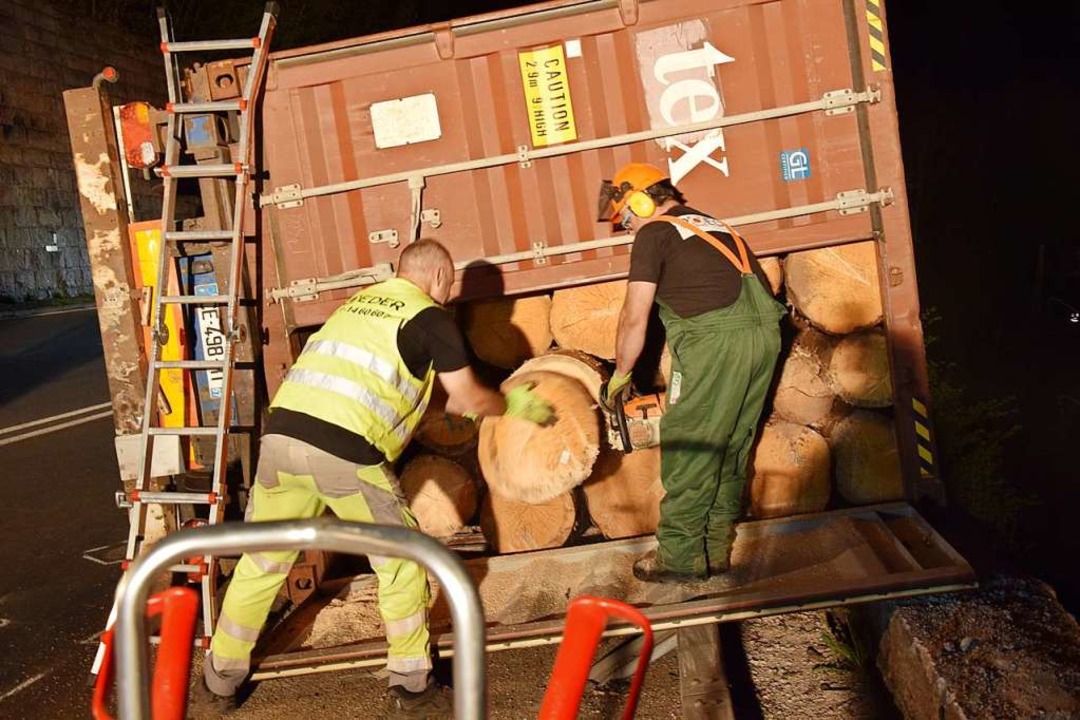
(428, 265)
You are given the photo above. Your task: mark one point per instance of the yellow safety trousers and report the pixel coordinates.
(403, 592)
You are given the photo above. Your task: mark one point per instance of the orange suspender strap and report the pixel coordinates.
(741, 263)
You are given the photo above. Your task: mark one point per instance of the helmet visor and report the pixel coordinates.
(606, 202)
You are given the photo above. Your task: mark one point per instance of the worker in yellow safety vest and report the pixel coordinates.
(345, 412)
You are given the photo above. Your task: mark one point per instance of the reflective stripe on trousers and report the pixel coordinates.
(287, 488)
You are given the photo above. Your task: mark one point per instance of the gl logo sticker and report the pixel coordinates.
(795, 165)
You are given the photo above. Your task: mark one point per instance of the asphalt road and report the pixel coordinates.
(56, 492)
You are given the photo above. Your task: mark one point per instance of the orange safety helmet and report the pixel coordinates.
(627, 189)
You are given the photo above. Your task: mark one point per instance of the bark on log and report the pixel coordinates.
(859, 370)
(507, 331)
(866, 460)
(791, 471)
(511, 526)
(837, 288)
(584, 368)
(774, 271)
(624, 492)
(803, 394)
(586, 318)
(441, 493)
(444, 433)
(527, 463)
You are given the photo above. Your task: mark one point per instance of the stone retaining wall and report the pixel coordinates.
(45, 50)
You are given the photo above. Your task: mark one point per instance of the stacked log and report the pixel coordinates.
(507, 331)
(573, 364)
(804, 394)
(586, 318)
(774, 271)
(441, 493)
(510, 526)
(790, 472)
(837, 289)
(444, 433)
(866, 457)
(624, 492)
(859, 370)
(525, 462)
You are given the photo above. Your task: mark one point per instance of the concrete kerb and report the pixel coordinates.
(16, 311)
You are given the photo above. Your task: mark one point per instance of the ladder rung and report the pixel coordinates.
(200, 171)
(173, 498)
(188, 430)
(207, 107)
(195, 299)
(205, 45)
(198, 235)
(191, 364)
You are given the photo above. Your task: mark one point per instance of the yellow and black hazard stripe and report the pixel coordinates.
(877, 35)
(923, 441)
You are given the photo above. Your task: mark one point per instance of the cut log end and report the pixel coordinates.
(511, 526)
(791, 471)
(441, 494)
(624, 492)
(867, 463)
(506, 331)
(586, 318)
(774, 271)
(837, 289)
(859, 370)
(525, 462)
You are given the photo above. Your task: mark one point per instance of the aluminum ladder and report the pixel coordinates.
(240, 171)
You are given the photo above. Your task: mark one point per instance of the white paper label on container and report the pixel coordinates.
(573, 48)
(405, 121)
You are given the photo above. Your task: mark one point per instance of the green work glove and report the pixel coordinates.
(613, 388)
(522, 402)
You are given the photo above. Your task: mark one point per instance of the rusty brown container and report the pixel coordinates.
(492, 134)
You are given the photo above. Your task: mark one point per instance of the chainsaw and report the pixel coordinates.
(633, 421)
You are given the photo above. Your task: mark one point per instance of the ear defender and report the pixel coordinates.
(641, 204)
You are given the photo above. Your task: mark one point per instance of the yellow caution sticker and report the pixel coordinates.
(547, 96)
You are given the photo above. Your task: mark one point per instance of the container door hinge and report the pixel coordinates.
(287, 196)
(539, 255)
(431, 216)
(628, 11)
(390, 237)
(523, 156)
(853, 202)
(841, 102)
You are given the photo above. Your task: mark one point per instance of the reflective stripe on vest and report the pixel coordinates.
(351, 373)
(366, 360)
(349, 389)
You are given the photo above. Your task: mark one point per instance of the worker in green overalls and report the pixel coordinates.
(723, 333)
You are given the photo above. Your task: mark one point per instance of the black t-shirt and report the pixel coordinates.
(430, 340)
(691, 276)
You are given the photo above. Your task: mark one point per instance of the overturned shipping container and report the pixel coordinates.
(492, 134)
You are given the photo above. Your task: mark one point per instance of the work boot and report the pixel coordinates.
(648, 568)
(433, 703)
(204, 704)
(720, 564)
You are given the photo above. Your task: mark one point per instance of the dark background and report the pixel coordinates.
(987, 98)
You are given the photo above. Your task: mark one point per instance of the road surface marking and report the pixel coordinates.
(22, 686)
(89, 554)
(62, 311)
(54, 428)
(61, 416)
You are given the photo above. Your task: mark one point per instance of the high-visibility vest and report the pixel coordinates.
(351, 373)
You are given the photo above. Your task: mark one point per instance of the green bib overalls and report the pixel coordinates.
(722, 364)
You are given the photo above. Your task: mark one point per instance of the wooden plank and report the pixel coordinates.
(703, 683)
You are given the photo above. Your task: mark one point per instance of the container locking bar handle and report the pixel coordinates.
(323, 534)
